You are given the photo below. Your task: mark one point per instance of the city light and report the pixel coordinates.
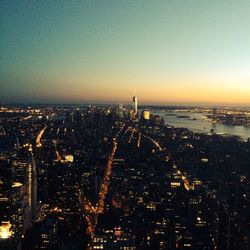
(5, 230)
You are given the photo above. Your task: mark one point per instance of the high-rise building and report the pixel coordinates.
(14, 206)
(32, 179)
(120, 111)
(18, 199)
(134, 105)
(146, 114)
(22, 182)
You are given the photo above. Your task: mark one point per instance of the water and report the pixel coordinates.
(198, 122)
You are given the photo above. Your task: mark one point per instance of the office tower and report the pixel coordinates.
(6, 180)
(14, 209)
(120, 111)
(133, 112)
(22, 175)
(134, 105)
(146, 114)
(32, 180)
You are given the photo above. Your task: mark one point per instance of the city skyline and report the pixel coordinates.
(181, 52)
(114, 177)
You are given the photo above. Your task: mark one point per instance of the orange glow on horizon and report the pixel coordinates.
(98, 88)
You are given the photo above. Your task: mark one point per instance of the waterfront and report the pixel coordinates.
(198, 122)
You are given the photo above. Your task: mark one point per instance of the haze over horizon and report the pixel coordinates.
(101, 51)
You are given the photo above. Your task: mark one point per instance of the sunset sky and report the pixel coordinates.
(75, 51)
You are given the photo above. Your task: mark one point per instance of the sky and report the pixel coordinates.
(165, 52)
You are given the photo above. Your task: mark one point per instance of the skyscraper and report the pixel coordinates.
(32, 179)
(120, 111)
(146, 114)
(15, 210)
(134, 106)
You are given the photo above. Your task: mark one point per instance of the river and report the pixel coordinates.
(198, 122)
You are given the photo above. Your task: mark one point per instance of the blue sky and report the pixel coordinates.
(101, 51)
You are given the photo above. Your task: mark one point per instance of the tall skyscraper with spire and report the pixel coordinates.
(134, 106)
(32, 179)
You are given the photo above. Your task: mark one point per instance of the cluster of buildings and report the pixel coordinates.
(100, 177)
(176, 190)
(231, 116)
(18, 192)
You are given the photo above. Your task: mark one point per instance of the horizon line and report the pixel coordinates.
(128, 103)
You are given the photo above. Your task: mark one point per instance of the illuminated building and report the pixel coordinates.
(146, 114)
(120, 111)
(175, 184)
(134, 106)
(114, 240)
(14, 209)
(5, 230)
(32, 185)
(18, 199)
(6, 208)
(68, 159)
(22, 182)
